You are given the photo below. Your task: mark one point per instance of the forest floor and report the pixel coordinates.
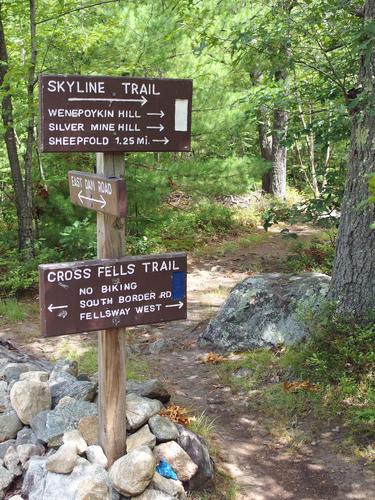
(261, 464)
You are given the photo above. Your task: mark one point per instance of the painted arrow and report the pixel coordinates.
(159, 127)
(51, 307)
(179, 305)
(102, 201)
(161, 114)
(165, 140)
(142, 100)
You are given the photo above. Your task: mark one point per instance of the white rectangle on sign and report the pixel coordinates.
(181, 115)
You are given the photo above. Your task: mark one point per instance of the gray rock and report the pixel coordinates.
(139, 410)
(4, 447)
(10, 353)
(197, 450)
(49, 426)
(26, 451)
(75, 437)
(151, 494)
(242, 372)
(163, 429)
(159, 346)
(15, 497)
(12, 460)
(169, 486)
(6, 478)
(65, 365)
(37, 376)
(4, 396)
(12, 371)
(28, 398)
(132, 473)
(26, 436)
(95, 455)
(64, 460)
(177, 458)
(10, 424)
(152, 389)
(143, 437)
(62, 384)
(39, 484)
(263, 311)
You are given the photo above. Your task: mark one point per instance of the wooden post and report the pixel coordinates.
(111, 343)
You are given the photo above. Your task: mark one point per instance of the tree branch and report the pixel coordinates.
(83, 7)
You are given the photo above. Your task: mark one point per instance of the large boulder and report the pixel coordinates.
(264, 310)
(177, 458)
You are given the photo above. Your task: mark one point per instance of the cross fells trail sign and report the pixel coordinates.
(112, 293)
(80, 113)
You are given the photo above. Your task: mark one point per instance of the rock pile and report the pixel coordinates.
(49, 446)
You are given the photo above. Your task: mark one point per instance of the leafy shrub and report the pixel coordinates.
(317, 256)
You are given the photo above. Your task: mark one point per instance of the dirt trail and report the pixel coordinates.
(263, 467)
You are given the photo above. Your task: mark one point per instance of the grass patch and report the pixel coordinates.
(13, 311)
(327, 381)
(87, 360)
(316, 256)
(204, 426)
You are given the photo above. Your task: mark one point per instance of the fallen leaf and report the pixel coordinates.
(212, 357)
(300, 385)
(177, 414)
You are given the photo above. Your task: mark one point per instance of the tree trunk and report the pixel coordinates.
(22, 195)
(353, 275)
(279, 153)
(265, 145)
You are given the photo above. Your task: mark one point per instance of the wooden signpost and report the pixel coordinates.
(110, 116)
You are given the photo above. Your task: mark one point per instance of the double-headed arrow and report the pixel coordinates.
(102, 201)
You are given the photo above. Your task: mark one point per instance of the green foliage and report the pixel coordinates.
(315, 256)
(78, 241)
(336, 364)
(11, 310)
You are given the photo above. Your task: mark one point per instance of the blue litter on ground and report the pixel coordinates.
(165, 470)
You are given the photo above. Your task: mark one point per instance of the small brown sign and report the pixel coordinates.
(103, 194)
(111, 293)
(99, 113)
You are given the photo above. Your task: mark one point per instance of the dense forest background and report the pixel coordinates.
(275, 85)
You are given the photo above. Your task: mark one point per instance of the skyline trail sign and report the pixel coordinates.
(99, 114)
(102, 294)
(103, 194)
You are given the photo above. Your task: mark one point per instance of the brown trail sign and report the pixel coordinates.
(103, 194)
(112, 293)
(97, 113)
